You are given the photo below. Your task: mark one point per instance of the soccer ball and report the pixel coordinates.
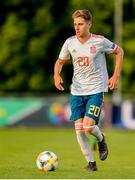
(47, 161)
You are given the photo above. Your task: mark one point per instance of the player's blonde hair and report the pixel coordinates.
(84, 13)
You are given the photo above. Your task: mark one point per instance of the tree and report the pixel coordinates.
(32, 33)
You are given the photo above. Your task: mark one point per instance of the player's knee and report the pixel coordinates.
(79, 130)
(78, 127)
(88, 129)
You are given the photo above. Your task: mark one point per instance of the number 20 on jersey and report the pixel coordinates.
(83, 61)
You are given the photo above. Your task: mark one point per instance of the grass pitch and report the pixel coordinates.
(19, 148)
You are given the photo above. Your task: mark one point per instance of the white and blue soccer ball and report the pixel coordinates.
(47, 161)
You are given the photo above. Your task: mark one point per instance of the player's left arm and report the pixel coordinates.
(113, 81)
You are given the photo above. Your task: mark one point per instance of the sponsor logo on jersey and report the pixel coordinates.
(74, 51)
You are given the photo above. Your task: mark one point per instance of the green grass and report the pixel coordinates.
(19, 148)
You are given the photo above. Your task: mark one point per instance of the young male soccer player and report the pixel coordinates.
(90, 81)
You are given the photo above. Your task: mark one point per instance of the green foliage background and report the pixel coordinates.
(33, 31)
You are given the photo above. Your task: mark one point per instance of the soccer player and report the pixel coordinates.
(90, 81)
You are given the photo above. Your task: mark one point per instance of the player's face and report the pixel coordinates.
(82, 27)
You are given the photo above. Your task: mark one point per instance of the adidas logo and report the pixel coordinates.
(74, 51)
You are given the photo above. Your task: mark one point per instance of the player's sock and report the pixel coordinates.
(84, 143)
(97, 133)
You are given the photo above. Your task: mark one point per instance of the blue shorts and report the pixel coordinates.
(89, 105)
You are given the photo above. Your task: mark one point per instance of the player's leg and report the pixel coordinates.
(84, 145)
(95, 131)
(78, 111)
(90, 122)
(100, 125)
(90, 127)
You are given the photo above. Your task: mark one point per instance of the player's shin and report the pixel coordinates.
(84, 142)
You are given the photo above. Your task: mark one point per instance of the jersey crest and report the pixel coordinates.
(93, 49)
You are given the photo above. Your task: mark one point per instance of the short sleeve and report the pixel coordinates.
(64, 53)
(108, 46)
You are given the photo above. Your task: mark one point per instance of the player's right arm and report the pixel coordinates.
(57, 77)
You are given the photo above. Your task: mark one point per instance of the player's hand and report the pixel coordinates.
(58, 81)
(113, 82)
